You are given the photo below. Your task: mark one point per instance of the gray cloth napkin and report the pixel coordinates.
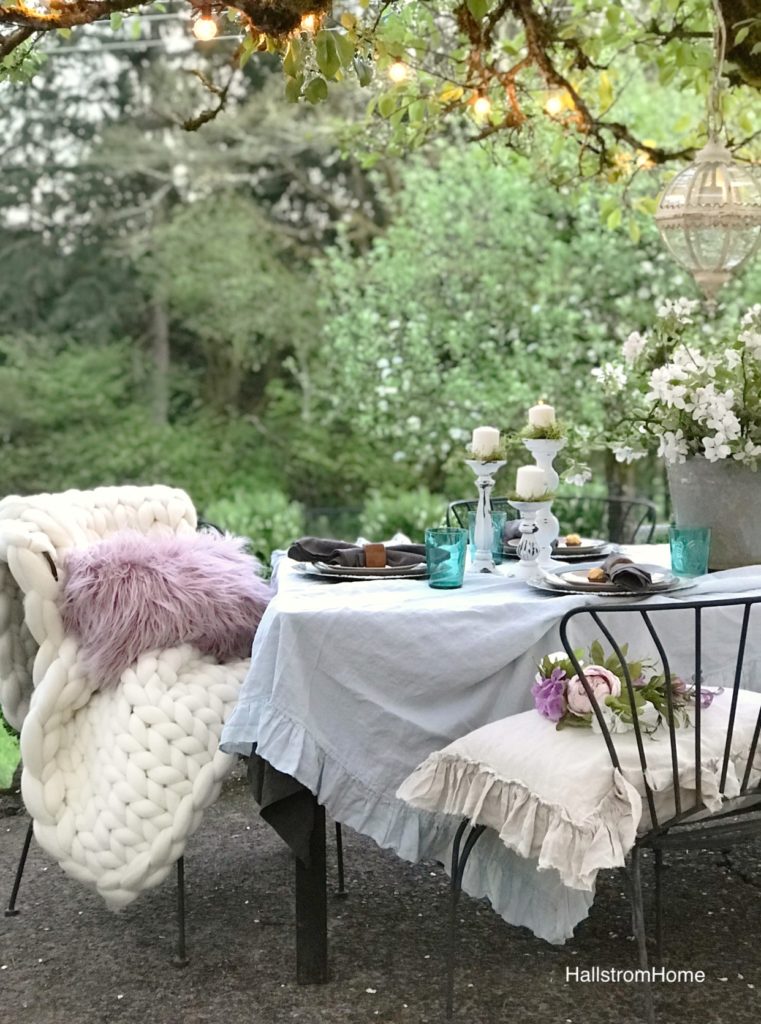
(339, 552)
(623, 572)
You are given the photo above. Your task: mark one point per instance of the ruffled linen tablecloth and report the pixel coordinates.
(352, 685)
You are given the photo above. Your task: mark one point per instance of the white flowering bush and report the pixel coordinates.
(685, 389)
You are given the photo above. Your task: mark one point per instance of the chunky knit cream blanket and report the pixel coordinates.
(116, 780)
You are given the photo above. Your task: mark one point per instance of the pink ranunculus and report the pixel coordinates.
(603, 684)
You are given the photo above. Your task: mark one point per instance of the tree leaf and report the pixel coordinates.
(326, 53)
(293, 57)
(345, 48)
(317, 90)
(363, 70)
(451, 93)
(293, 89)
(387, 104)
(479, 8)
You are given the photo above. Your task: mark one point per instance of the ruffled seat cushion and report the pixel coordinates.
(133, 593)
(555, 797)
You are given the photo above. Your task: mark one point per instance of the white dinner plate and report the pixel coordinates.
(360, 572)
(588, 546)
(557, 584)
(568, 554)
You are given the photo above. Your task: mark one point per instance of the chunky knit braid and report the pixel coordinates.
(117, 779)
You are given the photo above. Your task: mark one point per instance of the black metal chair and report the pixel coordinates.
(691, 826)
(619, 520)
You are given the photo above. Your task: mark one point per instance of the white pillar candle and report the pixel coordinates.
(530, 482)
(485, 441)
(541, 415)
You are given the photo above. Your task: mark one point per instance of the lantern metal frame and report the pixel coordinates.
(709, 216)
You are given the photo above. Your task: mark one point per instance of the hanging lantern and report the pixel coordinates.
(710, 214)
(710, 217)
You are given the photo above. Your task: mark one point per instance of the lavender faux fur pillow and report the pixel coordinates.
(132, 593)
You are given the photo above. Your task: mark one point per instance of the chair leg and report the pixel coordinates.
(181, 959)
(341, 892)
(459, 862)
(11, 910)
(638, 922)
(659, 906)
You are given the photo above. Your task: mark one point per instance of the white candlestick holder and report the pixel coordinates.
(483, 560)
(544, 451)
(535, 544)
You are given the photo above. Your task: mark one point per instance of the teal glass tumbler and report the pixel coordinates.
(445, 554)
(690, 548)
(498, 520)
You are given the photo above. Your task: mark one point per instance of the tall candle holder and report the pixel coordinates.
(544, 451)
(483, 561)
(535, 542)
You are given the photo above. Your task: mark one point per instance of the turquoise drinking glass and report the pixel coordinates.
(498, 520)
(445, 555)
(690, 548)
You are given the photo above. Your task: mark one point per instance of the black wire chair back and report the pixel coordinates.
(619, 520)
(679, 625)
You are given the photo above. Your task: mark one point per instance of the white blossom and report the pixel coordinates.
(578, 479)
(692, 361)
(414, 423)
(625, 453)
(752, 341)
(673, 446)
(716, 448)
(753, 316)
(663, 387)
(732, 358)
(680, 309)
(749, 453)
(611, 376)
(726, 425)
(633, 346)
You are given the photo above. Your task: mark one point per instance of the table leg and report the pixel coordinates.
(312, 908)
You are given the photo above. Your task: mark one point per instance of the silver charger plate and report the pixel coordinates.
(588, 546)
(590, 556)
(322, 570)
(554, 584)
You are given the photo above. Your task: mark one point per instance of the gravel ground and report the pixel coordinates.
(67, 960)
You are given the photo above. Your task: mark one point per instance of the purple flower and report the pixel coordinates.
(707, 696)
(678, 687)
(549, 695)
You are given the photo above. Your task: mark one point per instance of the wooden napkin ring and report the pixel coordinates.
(375, 556)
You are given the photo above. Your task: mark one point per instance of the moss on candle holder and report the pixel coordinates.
(546, 496)
(498, 454)
(552, 432)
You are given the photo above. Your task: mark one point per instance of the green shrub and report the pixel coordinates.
(267, 517)
(407, 512)
(9, 753)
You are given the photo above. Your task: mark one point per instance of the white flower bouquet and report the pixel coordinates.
(687, 390)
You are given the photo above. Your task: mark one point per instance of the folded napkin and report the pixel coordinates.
(340, 552)
(623, 572)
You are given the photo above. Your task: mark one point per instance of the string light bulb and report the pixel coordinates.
(398, 71)
(555, 103)
(309, 23)
(482, 106)
(204, 26)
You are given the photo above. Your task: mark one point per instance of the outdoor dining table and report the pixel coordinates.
(353, 684)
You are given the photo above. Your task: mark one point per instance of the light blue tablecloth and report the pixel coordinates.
(351, 685)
